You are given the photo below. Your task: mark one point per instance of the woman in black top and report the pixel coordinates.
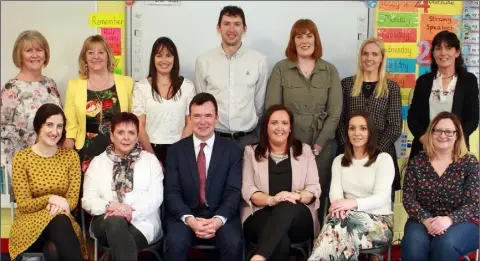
(448, 87)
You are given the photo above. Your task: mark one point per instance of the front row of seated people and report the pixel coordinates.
(268, 198)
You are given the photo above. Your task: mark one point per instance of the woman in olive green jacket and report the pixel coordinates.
(311, 88)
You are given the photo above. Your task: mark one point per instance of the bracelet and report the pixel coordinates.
(270, 201)
(300, 194)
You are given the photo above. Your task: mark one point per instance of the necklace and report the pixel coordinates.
(99, 100)
(368, 86)
(448, 77)
(278, 157)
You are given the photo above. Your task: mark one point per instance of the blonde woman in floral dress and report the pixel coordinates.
(24, 94)
(91, 102)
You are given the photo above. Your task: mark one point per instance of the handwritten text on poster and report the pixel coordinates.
(430, 25)
(387, 19)
(113, 38)
(401, 50)
(393, 35)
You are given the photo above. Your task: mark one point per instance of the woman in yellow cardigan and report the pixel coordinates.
(93, 99)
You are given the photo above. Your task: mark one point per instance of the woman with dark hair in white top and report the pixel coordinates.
(161, 100)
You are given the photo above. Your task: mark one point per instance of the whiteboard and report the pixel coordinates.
(192, 27)
(63, 23)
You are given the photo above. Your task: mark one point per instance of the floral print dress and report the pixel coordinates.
(101, 107)
(20, 101)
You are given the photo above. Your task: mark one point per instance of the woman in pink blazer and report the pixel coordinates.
(281, 186)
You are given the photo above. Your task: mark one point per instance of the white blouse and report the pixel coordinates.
(441, 100)
(165, 119)
(146, 197)
(370, 186)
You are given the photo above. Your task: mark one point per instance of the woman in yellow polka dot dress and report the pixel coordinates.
(46, 184)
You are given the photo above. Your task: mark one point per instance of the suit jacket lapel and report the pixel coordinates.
(297, 171)
(192, 160)
(215, 159)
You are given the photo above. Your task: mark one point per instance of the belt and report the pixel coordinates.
(234, 135)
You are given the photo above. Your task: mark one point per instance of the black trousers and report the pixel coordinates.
(122, 237)
(58, 241)
(161, 152)
(273, 229)
(180, 238)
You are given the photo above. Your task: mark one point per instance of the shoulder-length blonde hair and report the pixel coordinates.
(87, 45)
(382, 86)
(459, 148)
(302, 26)
(26, 38)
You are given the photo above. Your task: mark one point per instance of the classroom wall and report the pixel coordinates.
(64, 24)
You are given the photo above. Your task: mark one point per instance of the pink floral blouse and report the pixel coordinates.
(20, 101)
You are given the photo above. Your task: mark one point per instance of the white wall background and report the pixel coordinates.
(192, 26)
(63, 23)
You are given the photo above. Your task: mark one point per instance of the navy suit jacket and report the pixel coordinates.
(224, 179)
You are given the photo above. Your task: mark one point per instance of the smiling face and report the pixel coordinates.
(231, 29)
(445, 55)
(444, 135)
(33, 57)
(164, 61)
(51, 131)
(279, 128)
(96, 58)
(371, 58)
(358, 132)
(305, 44)
(203, 118)
(124, 137)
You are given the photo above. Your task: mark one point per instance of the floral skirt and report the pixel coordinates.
(343, 239)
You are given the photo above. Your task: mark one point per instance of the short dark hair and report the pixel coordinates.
(264, 144)
(124, 118)
(372, 146)
(451, 40)
(231, 10)
(46, 111)
(202, 98)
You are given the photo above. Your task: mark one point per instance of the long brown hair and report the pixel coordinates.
(371, 146)
(264, 144)
(459, 148)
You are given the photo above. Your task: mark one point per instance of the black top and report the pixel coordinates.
(279, 176)
(465, 106)
(368, 88)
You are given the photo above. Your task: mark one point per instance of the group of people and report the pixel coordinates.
(240, 157)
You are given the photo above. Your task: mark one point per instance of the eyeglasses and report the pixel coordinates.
(448, 133)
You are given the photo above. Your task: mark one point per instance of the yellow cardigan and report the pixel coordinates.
(76, 105)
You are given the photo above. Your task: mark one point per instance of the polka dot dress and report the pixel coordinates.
(35, 179)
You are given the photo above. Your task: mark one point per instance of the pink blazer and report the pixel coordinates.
(304, 177)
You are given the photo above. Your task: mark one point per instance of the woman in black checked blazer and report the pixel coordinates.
(371, 91)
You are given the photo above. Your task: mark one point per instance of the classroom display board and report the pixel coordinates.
(408, 28)
(342, 25)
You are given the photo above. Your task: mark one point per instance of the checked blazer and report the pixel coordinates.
(386, 113)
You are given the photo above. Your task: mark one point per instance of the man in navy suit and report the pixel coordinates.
(203, 187)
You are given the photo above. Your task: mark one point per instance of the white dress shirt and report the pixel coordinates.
(238, 84)
(165, 119)
(207, 150)
(146, 196)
